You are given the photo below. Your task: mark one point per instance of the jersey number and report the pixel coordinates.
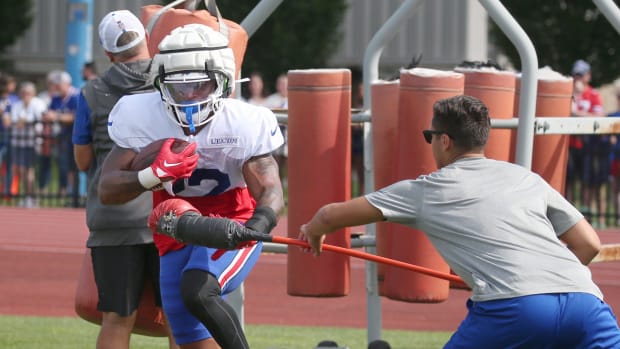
(201, 174)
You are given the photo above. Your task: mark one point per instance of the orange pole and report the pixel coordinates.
(419, 90)
(373, 258)
(319, 167)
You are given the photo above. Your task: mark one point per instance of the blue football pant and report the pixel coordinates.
(545, 321)
(231, 269)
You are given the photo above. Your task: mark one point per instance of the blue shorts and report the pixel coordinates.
(560, 320)
(230, 269)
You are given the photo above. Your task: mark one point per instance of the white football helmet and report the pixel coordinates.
(194, 70)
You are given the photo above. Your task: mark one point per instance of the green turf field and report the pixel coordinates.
(74, 333)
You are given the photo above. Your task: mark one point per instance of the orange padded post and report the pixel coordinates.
(319, 167)
(419, 90)
(149, 320)
(550, 152)
(174, 17)
(496, 89)
(384, 118)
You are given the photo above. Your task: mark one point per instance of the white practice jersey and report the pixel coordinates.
(238, 132)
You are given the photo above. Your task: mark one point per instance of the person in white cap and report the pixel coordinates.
(122, 248)
(226, 171)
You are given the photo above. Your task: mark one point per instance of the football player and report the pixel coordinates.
(227, 171)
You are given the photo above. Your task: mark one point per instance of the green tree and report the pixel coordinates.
(16, 17)
(563, 31)
(297, 35)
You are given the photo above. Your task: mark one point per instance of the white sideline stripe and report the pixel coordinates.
(47, 249)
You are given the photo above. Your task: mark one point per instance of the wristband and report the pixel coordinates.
(148, 179)
(263, 220)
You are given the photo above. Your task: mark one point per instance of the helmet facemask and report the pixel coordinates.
(193, 98)
(194, 71)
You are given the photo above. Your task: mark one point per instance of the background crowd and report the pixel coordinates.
(36, 152)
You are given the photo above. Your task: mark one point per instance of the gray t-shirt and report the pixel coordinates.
(496, 224)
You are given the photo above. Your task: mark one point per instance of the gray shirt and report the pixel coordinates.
(496, 224)
(114, 225)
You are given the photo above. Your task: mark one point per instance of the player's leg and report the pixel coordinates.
(119, 276)
(188, 331)
(203, 285)
(202, 295)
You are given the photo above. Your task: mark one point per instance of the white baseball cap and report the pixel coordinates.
(114, 24)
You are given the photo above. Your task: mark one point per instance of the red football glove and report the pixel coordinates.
(169, 166)
(170, 210)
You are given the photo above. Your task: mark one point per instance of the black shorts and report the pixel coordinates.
(121, 273)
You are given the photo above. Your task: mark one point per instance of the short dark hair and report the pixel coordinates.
(465, 119)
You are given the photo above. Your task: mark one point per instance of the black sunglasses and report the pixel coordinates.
(428, 135)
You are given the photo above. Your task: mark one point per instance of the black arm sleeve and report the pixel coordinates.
(212, 232)
(263, 220)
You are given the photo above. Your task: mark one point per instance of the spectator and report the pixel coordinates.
(595, 149)
(119, 236)
(89, 71)
(615, 162)
(279, 100)
(24, 114)
(50, 87)
(62, 113)
(256, 89)
(7, 98)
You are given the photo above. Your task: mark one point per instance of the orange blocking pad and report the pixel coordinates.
(384, 118)
(550, 152)
(419, 90)
(173, 18)
(496, 89)
(149, 320)
(319, 172)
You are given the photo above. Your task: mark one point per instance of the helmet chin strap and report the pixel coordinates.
(189, 117)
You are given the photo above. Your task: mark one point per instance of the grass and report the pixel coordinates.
(74, 333)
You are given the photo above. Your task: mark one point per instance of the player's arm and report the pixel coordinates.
(583, 241)
(118, 183)
(262, 177)
(121, 182)
(180, 220)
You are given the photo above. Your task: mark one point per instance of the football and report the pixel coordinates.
(148, 154)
